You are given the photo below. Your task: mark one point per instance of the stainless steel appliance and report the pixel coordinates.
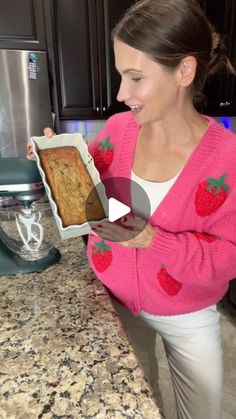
(27, 231)
(25, 107)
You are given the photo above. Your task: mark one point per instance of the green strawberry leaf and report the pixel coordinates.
(218, 184)
(105, 145)
(101, 247)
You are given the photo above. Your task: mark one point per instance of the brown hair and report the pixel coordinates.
(169, 30)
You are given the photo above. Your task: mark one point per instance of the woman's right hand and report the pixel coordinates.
(48, 132)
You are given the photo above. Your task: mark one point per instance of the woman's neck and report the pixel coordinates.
(167, 145)
(176, 130)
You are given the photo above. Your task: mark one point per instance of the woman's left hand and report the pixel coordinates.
(139, 233)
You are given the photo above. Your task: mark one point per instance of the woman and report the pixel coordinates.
(167, 274)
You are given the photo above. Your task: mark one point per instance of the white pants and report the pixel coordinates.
(194, 351)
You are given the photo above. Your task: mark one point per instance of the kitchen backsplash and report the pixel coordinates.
(89, 129)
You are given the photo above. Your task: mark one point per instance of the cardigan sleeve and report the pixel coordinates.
(198, 257)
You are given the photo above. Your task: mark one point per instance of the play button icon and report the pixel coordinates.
(123, 196)
(116, 209)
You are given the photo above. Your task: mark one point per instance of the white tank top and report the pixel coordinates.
(155, 191)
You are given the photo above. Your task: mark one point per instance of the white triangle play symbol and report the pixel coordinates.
(116, 209)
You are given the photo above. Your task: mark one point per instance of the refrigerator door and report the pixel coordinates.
(25, 107)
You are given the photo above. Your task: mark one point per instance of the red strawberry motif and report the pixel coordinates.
(101, 256)
(210, 195)
(103, 155)
(209, 238)
(168, 283)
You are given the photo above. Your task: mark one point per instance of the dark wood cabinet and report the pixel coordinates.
(22, 25)
(109, 13)
(77, 36)
(86, 82)
(75, 53)
(232, 293)
(228, 302)
(220, 89)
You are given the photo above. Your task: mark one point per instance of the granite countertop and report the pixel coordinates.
(63, 351)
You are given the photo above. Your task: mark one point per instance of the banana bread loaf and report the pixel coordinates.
(71, 185)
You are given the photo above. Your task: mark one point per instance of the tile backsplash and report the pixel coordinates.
(89, 129)
(228, 121)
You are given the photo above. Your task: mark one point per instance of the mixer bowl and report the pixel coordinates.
(30, 232)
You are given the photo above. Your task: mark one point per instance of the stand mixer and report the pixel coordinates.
(27, 233)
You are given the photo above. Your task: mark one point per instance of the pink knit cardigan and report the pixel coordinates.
(192, 257)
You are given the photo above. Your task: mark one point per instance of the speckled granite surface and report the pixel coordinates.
(63, 353)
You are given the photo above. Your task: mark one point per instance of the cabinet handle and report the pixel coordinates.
(104, 109)
(97, 109)
(224, 104)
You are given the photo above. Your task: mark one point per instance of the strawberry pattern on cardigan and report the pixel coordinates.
(210, 195)
(192, 256)
(103, 155)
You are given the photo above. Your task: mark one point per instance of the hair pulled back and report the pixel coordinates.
(169, 30)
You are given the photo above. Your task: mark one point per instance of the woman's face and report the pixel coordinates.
(148, 88)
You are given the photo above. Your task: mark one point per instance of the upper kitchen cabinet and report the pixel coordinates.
(80, 50)
(109, 13)
(220, 89)
(22, 25)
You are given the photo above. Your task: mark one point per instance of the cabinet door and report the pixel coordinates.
(220, 89)
(22, 24)
(232, 293)
(76, 58)
(109, 14)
